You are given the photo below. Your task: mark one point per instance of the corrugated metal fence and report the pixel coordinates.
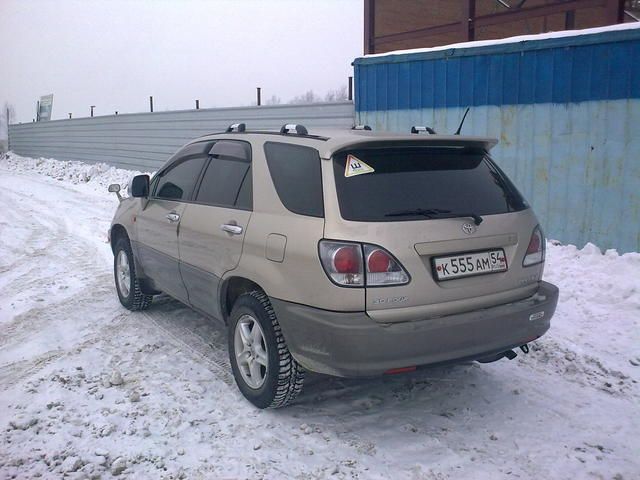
(566, 111)
(144, 141)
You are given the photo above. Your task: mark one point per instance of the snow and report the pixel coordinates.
(516, 39)
(97, 176)
(91, 390)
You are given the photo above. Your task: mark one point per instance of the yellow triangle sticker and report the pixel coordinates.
(355, 166)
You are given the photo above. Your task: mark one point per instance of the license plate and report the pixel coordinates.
(468, 264)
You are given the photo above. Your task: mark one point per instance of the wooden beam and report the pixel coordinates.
(539, 11)
(421, 33)
(614, 11)
(570, 20)
(369, 26)
(467, 22)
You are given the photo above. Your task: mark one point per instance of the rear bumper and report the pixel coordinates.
(350, 344)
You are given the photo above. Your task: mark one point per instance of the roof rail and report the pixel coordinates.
(299, 129)
(236, 127)
(418, 129)
(361, 127)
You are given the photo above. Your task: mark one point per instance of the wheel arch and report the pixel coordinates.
(117, 232)
(230, 289)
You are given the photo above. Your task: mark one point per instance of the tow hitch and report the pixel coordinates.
(510, 354)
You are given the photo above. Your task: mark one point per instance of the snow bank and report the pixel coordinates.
(96, 175)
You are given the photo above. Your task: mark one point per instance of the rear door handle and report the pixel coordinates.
(173, 217)
(232, 229)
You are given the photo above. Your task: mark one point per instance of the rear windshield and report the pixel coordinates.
(417, 183)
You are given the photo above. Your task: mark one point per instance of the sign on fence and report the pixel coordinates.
(46, 104)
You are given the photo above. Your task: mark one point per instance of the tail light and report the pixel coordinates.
(382, 268)
(357, 265)
(535, 250)
(343, 262)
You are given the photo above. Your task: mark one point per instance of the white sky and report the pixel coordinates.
(114, 54)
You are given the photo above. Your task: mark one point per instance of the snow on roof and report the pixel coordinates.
(516, 39)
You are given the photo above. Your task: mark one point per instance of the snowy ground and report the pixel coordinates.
(90, 390)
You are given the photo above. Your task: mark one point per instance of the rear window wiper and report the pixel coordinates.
(434, 213)
(426, 212)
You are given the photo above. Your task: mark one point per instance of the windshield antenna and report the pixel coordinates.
(462, 122)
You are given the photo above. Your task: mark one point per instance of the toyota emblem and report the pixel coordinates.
(468, 228)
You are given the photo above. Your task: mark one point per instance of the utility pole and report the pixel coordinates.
(8, 136)
(92, 107)
(151, 104)
(258, 94)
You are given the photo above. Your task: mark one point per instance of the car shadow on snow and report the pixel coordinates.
(442, 392)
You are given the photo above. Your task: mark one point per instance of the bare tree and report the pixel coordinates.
(305, 98)
(274, 100)
(10, 109)
(337, 95)
(6, 117)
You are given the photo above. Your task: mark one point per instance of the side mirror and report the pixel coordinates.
(140, 186)
(115, 188)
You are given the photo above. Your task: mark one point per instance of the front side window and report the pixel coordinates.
(418, 183)
(179, 180)
(296, 174)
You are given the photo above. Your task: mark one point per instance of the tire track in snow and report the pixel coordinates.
(13, 373)
(55, 277)
(180, 324)
(73, 254)
(577, 367)
(60, 267)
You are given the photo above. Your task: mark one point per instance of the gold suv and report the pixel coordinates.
(349, 253)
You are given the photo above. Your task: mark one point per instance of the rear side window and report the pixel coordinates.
(417, 183)
(227, 179)
(296, 174)
(178, 182)
(222, 182)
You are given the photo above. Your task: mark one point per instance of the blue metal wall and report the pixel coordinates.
(566, 111)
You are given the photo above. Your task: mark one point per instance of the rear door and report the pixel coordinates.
(158, 223)
(213, 226)
(435, 207)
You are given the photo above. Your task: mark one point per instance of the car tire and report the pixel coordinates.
(255, 338)
(126, 279)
